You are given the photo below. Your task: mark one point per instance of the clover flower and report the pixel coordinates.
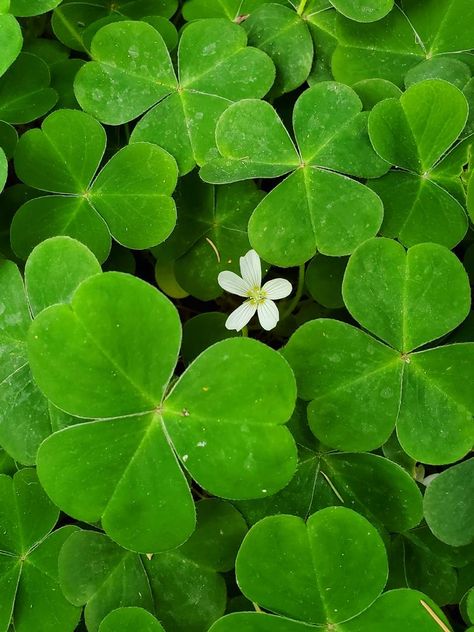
(260, 298)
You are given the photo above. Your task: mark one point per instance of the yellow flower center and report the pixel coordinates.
(256, 295)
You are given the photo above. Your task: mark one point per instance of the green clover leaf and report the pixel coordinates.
(220, 420)
(53, 271)
(321, 591)
(11, 41)
(29, 558)
(314, 208)
(125, 199)
(360, 388)
(126, 619)
(230, 9)
(363, 10)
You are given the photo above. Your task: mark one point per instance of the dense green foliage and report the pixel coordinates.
(178, 452)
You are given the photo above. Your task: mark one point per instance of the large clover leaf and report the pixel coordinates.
(53, 271)
(210, 234)
(337, 564)
(29, 558)
(120, 85)
(313, 208)
(360, 388)
(407, 36)
(110, 355)
(129, 199)
(392, 612)
(412, 133)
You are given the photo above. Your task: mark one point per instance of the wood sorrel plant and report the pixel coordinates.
(178, 452)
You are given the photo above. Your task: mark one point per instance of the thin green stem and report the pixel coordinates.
(299, 291)
(245, 331)
(301, 7)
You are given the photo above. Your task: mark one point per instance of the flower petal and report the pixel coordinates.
(240, 316)
(232, 283)
(277, 288)
(268, 314)
(251, 269)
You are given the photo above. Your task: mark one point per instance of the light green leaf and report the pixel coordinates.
(54, 270)
(97, 573)
(71, 142)
(11, 41)
(25, 94)
(449, 506)
(340, 369)
(92, 336)
(418, 210)
(371, 91)
(448, 68)
(321, 591)
(313, 210)
(211, 56)
(285, 37)
(363, 10)
(131, 70)
(52, 215)
(126, 619)
(132, 194)
(420, 295)
(230, 9)
(415, 131)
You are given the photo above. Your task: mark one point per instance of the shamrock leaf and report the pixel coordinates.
(130, 197)
(363, 10)
(448, 68)
(321, 591)
(285, 37)
(202, 331)
(11, 41)
(404, 609)
(24, 8)
(222, 421)
(73, 21)
(323, 280)
(29, 558)
(211, 57)
(210, 235)
(96, 573)
(25, 92)
(313, 208)
(359, 388)
(52, 273)
(449, 507)
(126, 619)
(191, 574)
(407, 36)
(428, 118)
(371, 485)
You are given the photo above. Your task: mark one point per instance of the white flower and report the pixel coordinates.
(260, 298)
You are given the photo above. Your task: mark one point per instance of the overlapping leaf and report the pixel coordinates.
(314, 208)
(360, 388)
(29, 558)
(130, 198)
(115, 348)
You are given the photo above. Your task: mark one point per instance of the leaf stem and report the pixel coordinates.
(301, 7)
(245, 331)
(297, 296)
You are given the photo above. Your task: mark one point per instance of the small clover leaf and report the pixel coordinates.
(221, 420)
(359, 388)
(29, 558)
(126, 619)
(314, 208)
(230, 9)
(321, 591)
(53, 271)
(363, 10)
(216, 67)
(130, 198)
(449, 505)
(24, 8)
